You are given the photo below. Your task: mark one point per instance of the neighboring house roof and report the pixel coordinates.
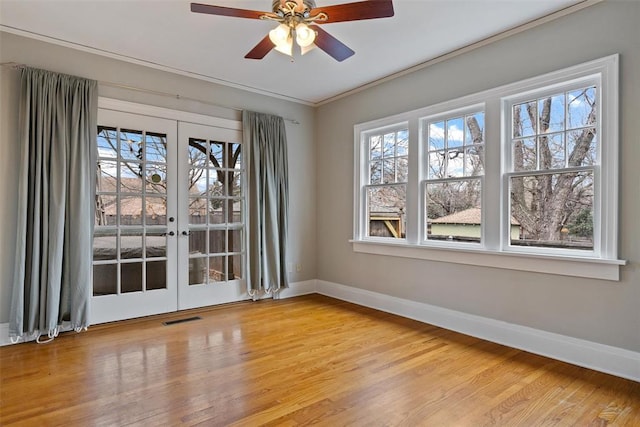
(131, 200)
(467, 216)
(130, 205)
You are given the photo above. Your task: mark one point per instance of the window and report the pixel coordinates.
(130, 244)
(386, 188)
(553, 148)
(453, 186)
(216, 225)
(523, 176)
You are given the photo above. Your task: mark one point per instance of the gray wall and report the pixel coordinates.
(302, 152)
(600, 311)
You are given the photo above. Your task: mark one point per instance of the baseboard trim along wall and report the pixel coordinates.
(295, 289)
(298, 288)
(599, 357)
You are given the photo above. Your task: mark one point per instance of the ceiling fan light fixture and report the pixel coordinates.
(305, 36)
(303, 18)
(280, 34)
(285, 46)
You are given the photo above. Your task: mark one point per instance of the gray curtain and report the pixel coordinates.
(266, 141)
(52, 275)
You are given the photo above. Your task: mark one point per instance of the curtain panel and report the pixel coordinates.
(265, 139)
(53, 273)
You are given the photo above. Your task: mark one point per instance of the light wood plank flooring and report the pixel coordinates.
(294, 362)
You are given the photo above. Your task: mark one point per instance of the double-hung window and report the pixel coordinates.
(552, 151)
(454, 166)
(385, 188)
(523, 176)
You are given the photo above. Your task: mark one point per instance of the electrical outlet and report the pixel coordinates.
(298, 267)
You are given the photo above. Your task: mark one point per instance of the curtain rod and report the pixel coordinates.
(18, 66)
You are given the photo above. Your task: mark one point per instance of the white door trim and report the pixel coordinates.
(167, 113)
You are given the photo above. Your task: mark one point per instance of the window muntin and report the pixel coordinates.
(553, 210)
(454, 147)
(216, 223)
(130, 221)
(386, 189)
(554, 149)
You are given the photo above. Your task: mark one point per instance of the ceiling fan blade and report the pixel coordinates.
(334, 47)
(261, 49)
(368, 9)
(227, 11)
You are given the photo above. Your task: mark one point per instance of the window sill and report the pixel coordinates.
(593, 268)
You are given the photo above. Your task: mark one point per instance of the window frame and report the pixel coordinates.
(424, 122)
(507, 109)
(495, 249)
(362, 179)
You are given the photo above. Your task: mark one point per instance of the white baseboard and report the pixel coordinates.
(611, 360)
(599, 357)
(298, 288)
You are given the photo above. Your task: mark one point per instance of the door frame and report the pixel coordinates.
(116, 310)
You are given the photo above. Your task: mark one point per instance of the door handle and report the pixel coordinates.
(186, 233)
(171, 233)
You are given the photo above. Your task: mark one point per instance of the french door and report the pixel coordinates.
(169, 224)
(211, 217)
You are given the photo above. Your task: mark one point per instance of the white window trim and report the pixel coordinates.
(494, 252)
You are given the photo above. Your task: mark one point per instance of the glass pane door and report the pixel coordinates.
(211, 244)
(134, 249)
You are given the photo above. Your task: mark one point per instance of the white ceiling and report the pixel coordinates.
(165, 34)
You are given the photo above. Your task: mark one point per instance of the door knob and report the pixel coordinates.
(186, 233)
(171, 233)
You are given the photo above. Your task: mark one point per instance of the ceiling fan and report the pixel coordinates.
(300, 18)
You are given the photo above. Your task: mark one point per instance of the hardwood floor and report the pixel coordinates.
(294, 362)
